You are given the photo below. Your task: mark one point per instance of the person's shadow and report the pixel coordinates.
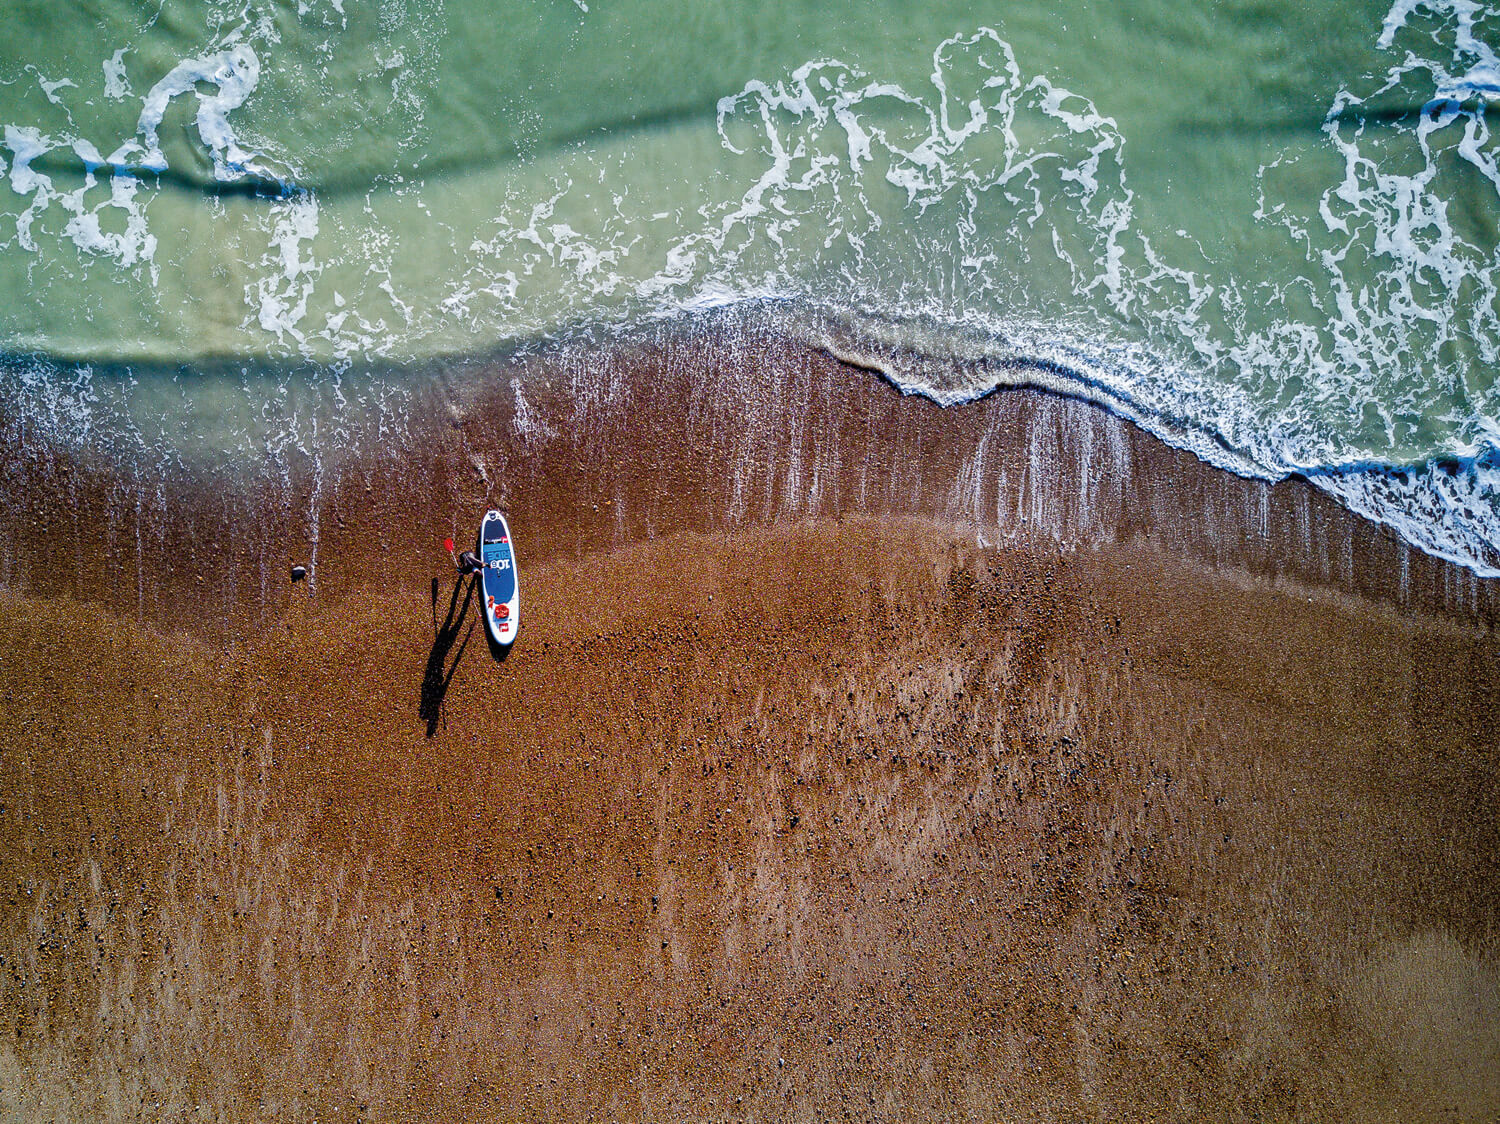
(440, 671)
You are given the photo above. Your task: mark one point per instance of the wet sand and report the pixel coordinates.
(856, 759)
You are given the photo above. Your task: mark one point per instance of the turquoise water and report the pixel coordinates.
(1265, 231)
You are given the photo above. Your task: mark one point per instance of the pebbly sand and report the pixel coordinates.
(857, 759)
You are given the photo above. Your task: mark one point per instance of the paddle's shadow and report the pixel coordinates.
(440, 670)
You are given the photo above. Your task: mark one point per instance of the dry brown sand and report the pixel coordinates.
(857, 759)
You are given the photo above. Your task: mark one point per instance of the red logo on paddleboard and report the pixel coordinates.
(502, 611)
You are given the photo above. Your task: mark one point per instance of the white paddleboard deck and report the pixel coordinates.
(498, 584)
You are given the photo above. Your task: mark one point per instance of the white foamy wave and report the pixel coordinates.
(130, 246)
(1481, 74)
(116, 84)
(1408, 282)
(284, 280)
(234, 73)
(232, 69)
(1391, 364)
(1450, 508)
(831, 185)
(960, 231)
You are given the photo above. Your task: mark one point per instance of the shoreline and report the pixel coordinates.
(713, 425)
(856, 756)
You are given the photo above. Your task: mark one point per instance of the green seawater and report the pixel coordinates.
(1266, 231)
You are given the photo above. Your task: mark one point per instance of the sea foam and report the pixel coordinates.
(971, 231)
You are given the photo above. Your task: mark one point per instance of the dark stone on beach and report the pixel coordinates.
(298, 573)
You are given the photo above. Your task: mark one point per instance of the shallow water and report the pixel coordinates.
(1265, 233)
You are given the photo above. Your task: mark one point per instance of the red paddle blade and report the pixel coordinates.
(448, 543)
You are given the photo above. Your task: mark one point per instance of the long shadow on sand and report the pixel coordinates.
(440, 670)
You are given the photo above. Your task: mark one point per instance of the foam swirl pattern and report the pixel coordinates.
(1313, 291)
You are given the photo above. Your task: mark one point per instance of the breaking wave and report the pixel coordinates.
(976, 231)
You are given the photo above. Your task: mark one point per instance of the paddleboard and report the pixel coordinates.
(498, 584)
